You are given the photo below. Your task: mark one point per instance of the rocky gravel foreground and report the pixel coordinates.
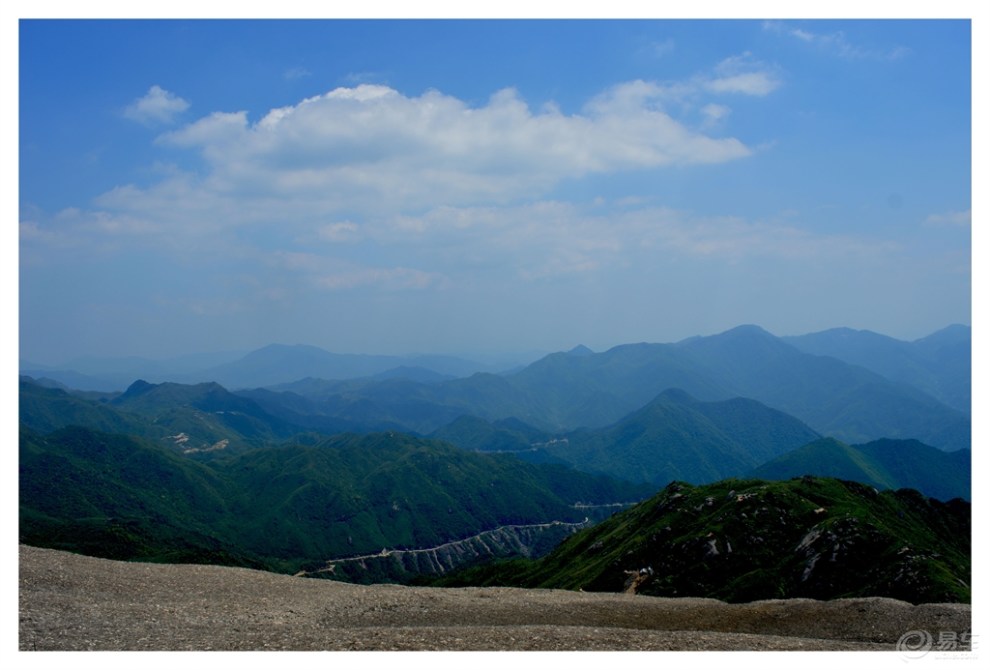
(72, 602)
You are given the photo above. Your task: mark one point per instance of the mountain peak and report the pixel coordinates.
(956, 333)
(747, 329)
(580, 350)
(137, 388)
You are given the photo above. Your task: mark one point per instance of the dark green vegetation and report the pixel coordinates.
(470, 432)
(199, 418)
(208, 415)
(885, 464)
(286, 507)
(676, 437)
(743, 540)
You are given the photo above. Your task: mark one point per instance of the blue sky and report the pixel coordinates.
(483, 186)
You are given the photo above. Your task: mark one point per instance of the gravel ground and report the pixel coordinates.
(71, 602)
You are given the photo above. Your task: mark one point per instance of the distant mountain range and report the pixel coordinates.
(291, 479)
(565, 391)
(271, 365)
(673, 437)
(319, 456)
(676, 437)
(744, 540)
(939, 364)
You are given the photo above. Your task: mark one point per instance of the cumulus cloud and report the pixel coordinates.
(371, 143)
(443, 182)
(215, 130)
(157, 107)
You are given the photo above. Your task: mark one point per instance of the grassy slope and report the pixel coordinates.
(741, 540)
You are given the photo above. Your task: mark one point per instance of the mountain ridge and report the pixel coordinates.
(938, 364)
(885, 464)
(285, 507)
(741, 540)
(562, 391)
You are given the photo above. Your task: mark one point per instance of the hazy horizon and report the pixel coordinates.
(401, 187)
(514, 357)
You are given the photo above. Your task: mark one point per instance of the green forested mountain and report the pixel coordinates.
(207, 410)
(743, 540)
(44, 409)
(268, 478)
(471, 432)
(885, 464)
(676, 437)
(122, 497)
(282, 507)
(199, 417)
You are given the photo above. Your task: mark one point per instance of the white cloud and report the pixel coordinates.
(157, 107)
(662, 48)
(735, 239)
(953, 218)
(545, 239)
(441, 182)
(713, 114)
(836, 43)
(372, 144)
(342, 231)
(216, 129)
(328, 273)
(750, 83)
(743, 74)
